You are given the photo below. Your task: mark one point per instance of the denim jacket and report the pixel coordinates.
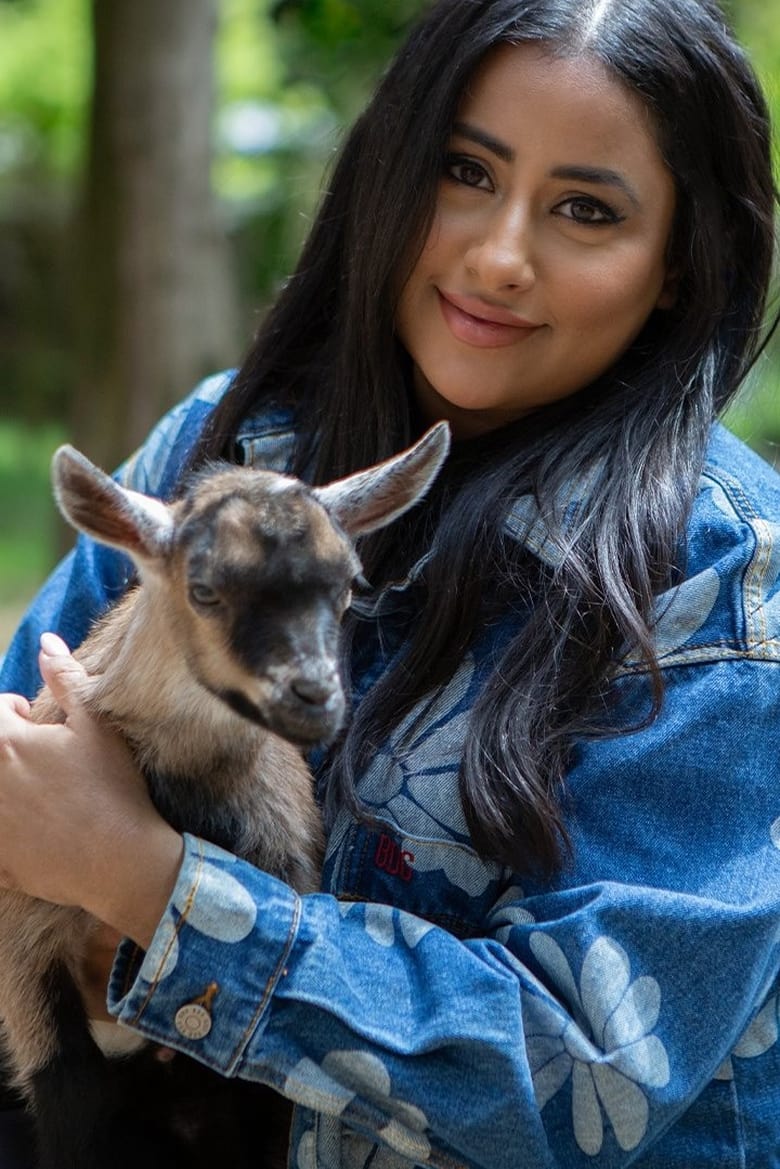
(428, 1008)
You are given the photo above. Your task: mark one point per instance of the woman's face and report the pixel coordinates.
(548, 249)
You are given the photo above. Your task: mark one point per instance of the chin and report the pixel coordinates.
(468, 413)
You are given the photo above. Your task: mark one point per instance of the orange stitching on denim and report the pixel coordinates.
(757, 572)
(187, 907)
(270, 984)
(700, 654)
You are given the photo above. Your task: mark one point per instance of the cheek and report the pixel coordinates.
(446, 243)
(433, 241)
(614, 300)
(417, 305)
(422, 268)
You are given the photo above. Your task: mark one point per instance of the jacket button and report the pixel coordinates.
(193, 1020)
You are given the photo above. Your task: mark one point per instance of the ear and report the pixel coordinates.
(373, 498)
(91, 501)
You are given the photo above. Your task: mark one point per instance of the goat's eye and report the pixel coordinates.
(201, 594)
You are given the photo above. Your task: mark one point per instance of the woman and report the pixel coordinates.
(548, 929)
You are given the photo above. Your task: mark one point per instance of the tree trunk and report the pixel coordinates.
(156, 305)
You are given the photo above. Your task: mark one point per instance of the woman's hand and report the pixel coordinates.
(77, 826)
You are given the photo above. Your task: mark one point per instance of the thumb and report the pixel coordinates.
(16, 704)
(64, 676)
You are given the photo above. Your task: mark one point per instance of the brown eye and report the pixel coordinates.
(467, 171)
(590, 212)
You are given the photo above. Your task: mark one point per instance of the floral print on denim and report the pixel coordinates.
(509, 912)
(605, 1045)
(764, 1031)
(762, 1034)
(229, 918)
(342, 1076)
(422, 799)
(414, 779)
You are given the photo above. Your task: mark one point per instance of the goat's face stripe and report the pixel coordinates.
(298, 720)
(242, 705)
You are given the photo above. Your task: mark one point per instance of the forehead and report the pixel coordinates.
(569, 109)
(239, 523)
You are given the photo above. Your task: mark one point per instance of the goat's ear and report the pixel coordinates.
(373, 498)
(91, 501)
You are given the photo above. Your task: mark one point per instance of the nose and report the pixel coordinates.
(502, 258)
(314, 685)
(314, 691)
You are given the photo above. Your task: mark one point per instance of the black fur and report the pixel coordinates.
(143, 1112)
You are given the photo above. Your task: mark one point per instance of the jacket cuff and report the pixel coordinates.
(208, 977)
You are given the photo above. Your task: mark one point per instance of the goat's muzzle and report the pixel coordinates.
(305, 707)
(309, 709)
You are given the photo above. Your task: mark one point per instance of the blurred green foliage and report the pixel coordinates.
(758, 24)
(45, 62)
(28, 528)
(341, 45)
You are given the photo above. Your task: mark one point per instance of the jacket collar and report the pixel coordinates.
(269, 439)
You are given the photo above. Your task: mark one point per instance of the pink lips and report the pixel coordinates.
(486, 326)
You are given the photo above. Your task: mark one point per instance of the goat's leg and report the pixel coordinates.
(67, 1093)
(83, 1118)
(54, 1059)
(92, 1112)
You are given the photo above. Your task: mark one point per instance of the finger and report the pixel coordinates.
(61, 672)
(16, 704)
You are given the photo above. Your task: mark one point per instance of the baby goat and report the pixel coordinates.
(218, 668)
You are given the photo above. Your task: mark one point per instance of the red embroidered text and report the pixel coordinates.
(393, 859)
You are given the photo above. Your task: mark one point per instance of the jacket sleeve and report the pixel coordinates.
(587, 1018)
(92, 577)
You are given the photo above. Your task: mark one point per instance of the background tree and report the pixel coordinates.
(156, 303)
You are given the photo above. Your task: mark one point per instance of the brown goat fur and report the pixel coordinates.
(218, 668)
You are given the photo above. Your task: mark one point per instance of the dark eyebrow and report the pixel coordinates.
(598, 175)
(483, 139)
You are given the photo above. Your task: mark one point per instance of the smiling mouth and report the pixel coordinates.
(483, 332)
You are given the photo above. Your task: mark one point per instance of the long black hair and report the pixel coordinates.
(328, 350)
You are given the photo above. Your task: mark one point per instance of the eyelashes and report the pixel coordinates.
(585, 210)
(465, 170)
(592, 212)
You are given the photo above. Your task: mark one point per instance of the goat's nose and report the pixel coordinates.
(313, 691)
